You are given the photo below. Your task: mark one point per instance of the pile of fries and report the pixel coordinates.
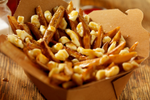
(71, 47)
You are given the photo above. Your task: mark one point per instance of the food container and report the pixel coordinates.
(105, 89)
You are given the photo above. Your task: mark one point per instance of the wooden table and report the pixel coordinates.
(19, 87)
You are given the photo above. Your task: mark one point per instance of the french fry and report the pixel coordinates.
(57, 36)
(105, 47)
(93, 62)
(35, 31)
(116, 37)
(41, 16)
(111, 65)
(113, 32)
(117, 49)
(69, 7)
(26, 28)
(138, 59)
(13, 23)
(86, 35)
(88, 74)
(133, 47)
(13, 20)
(48, 51)
(68, 68)
(75, 54)
(44, 67)
(112, 46)
(81, 12)
(120, 58)
(98, 40)
(12, 26)
(62, 33)
(74, 37)
(32, 45)
(57, 17)
(72, 24)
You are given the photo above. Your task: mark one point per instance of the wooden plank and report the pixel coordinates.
(19, 86)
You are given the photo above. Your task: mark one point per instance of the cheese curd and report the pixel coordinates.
(58, 46)
(48, 15)
(127, 66)
(91, 53)
(88, 52)
(100, 74)
(74, 37)
(20, 19)
(51, 28)
(23, 34)
(112, 71)
(52, 64)
(106, 39)
(93, 36)
(63, 24)
(64, 40)
(27, 40)
(42, 58)
(40, 40)
(53, 71)
(73, 15)
(78, 69)
(74, 61)
(61, 66)
(14, 40)
(79, 29)
(93, 26)
(35, 20)
(42, 29)
(33, 53)
(87, 18)
(71, 46)
(124, 51)
(77, 78)
(112, 46)
(99, 52)
(62, 55)
(103, 59)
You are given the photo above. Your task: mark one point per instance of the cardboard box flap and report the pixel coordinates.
(130, 25)
(120, 83)
(26, 8)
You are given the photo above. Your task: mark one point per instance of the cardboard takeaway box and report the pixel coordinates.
(106, 89)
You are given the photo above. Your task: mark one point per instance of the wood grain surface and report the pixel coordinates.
(19, 86)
